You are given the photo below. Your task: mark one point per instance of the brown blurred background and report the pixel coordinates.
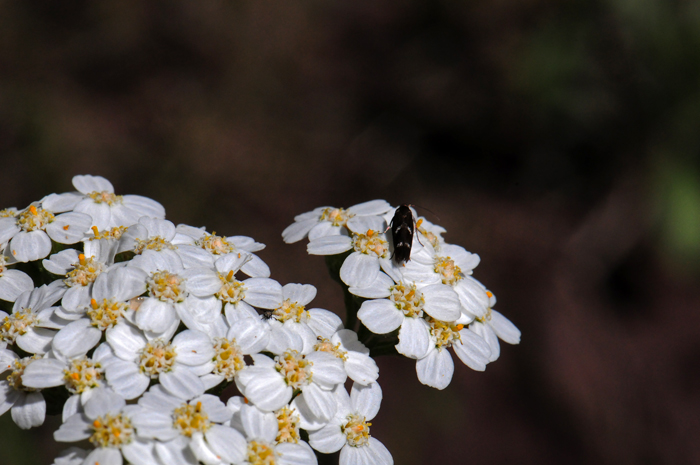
(558, 140)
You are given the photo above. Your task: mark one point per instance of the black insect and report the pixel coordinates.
(402, 225)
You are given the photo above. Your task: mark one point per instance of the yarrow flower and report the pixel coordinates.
(138, 324)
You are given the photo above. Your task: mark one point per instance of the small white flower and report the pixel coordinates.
(291, 314)
(344, 344)
(80, 375)
(177, 364)
(436, 368)
(270, 439)
(80, 270)
(113, 300)
(27, 405)
(269, 384)
(452, 266)
(30, 233)
(405, 309)
(106, 421)
(32, 316)
(169, 286)
(330, 221)
(109, 210)
(229, 248)
(349, 430)
(370, 248)
(188, 428)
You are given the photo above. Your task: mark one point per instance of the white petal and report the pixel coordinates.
(472, 350)
(29, 411)
(13, 283)
(265, 388)
(321, 403)
(366, 399)
(201, 282)
(103, 401)
(193, 348)
(325, 229)
(69, 228)
(139, 452)
(263, 292)
(373, 207)
(324, 323)
(175, 452)
(256, 268)
(380, 316)
(104, 456)
(43, 373)
(87, 184)
(329, 245)
(504, 329)
(489, 335)
(154, 315)
(75, 428)
(298, 230)
(361, 368)
(328, 439)
(126, 379)
(60, 263)
(441, 302)
(76, 338)
(414, 338)
(299, 293)
(296, 454)
(8, 396)
(202, 451)
(8, 228)
(30, 246)
(258, 425)
(328, 370)
(144, 206)
(359, 270)
(182, 382)
(436, 369)
(378, 289)
(126, 340)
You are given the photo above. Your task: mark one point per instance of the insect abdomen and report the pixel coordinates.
(402, 228)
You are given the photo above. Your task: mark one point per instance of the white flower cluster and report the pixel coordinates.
(430, 303)
(130, 326)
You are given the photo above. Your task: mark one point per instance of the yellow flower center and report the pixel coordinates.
(107, 313)
(8, 213)
(336, 216)
(216, 245)
(112, 431)
(17, 324)
(294, 368)
(33, 219)
(449, 272)
(228, 359)
(14, 379)
(156, 243)
(288, 426)
(105, 197)
(371, 243)
(408, 299)
(232, 290)
(114, 233)
(84, 272)
(431, 237)
(167, 287)
(356, 430)
(445, 333)
(260, 453)
(157, 357)
(290, 311)
(188, 419)
(325, 345)
(82, 374)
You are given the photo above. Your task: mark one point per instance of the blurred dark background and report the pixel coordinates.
(558, 140)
